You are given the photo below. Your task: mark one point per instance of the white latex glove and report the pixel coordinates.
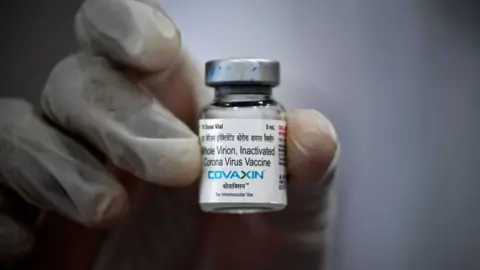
(133, 94)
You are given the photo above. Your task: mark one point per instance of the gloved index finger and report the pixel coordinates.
(136, 33)
(138, 134)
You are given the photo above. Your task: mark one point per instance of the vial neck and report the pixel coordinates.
(243, 93)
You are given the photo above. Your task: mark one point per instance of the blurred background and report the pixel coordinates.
(399, 79)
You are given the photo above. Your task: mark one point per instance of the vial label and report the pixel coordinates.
(243, 161)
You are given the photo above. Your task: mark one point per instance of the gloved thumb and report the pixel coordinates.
(313, 151)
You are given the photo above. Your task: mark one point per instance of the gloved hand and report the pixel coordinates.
(133, 94)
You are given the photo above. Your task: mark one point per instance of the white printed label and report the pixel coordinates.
(243, 161)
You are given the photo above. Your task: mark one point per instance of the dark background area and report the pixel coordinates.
(35, 36)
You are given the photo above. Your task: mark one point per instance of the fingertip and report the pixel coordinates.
(131, 32)
(312, 144)
(109, 210)
(312, 120)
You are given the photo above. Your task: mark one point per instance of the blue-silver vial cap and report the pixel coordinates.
(242, 71)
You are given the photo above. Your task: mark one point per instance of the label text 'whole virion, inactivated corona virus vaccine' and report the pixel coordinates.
(242, 134)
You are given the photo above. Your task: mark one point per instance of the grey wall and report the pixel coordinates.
(400, 80)
(34, 36)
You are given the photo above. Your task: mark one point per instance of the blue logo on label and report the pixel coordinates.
(235, 174)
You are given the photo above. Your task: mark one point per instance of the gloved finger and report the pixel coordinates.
(180, 89)
(312, 146)
(86, 96)
(134, 32)
(312, 156)
(52, 171)
(140, 36)
(15, 239)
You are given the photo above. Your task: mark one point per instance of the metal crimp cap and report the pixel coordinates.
(242, 71)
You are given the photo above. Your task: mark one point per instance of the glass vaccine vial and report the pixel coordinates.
(242, 135)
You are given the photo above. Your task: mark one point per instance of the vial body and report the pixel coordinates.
(242, 133)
